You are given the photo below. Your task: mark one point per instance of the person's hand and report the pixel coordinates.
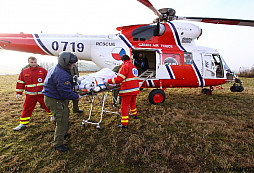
(18, 96)
(106, 84)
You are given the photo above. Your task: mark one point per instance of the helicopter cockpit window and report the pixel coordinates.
(144, 33)
(188, 58)
(172, 59)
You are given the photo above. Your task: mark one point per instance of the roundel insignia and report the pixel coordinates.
(135, 72)
(117, 53)
(39, 79)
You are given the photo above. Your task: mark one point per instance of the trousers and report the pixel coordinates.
(114, 98)
(29, 105)
(75, 105)
(61, 113)
(128, 101)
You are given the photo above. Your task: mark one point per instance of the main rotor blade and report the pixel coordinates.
(219, 21)
(150, 6)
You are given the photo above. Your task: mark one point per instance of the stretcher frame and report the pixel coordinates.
(102, 99)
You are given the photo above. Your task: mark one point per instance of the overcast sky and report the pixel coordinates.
(101, 17)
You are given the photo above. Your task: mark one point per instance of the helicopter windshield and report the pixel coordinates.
(226, 67)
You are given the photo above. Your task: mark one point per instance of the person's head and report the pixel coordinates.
(32, 61)
(140, 55)
(67, 60)
(125, 57)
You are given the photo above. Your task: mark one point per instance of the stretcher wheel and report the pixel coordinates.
(156, 96)
(98, 127)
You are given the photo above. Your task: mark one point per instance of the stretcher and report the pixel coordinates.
(93, 86)
(101, 97)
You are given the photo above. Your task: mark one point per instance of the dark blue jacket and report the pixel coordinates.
(59, 84)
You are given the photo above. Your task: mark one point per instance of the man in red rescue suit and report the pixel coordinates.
(129, 89)
(31, 80)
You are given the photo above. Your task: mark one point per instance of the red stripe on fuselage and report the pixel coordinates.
(215, 82)
(20, 42)
(185, 76)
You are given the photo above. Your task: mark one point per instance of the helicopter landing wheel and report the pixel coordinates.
(156, 96)
(206, 91)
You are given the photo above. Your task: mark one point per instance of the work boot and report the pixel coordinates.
(67, 135)
(122, 126)
(19, 127)
(79, 111)
(61, 148)
(52, 118)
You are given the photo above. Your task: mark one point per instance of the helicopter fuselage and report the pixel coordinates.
(174, 59)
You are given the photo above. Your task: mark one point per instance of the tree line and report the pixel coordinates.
(247, 72)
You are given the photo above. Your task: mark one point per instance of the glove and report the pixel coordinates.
(18, 96)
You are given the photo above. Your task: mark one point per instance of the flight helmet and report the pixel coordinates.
(65, 59)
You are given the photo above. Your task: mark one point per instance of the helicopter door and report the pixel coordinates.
(209, 66)
(169, 66)
(218, 66)
(145, 61)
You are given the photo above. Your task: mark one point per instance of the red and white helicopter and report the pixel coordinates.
(174, 59)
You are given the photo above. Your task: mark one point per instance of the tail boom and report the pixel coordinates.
(20, 42)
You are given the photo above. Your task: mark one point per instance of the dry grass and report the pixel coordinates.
(190, 132)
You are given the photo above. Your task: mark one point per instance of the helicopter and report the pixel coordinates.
(173, 58)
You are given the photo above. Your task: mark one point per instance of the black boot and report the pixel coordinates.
(61, 148)
(122, 126)
(79, 111)
(67, 135)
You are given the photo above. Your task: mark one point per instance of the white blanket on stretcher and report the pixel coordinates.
(95, 81)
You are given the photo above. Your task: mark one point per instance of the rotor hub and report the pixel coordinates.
(167, 14)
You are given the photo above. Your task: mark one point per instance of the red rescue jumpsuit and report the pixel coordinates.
(129, 89)
(31, 80)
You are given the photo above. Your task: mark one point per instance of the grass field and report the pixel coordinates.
(190, 132)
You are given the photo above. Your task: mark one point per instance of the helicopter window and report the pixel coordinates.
(172, 59)
(144, 33)
(216, 58)
(217, 62)
(188, 59)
